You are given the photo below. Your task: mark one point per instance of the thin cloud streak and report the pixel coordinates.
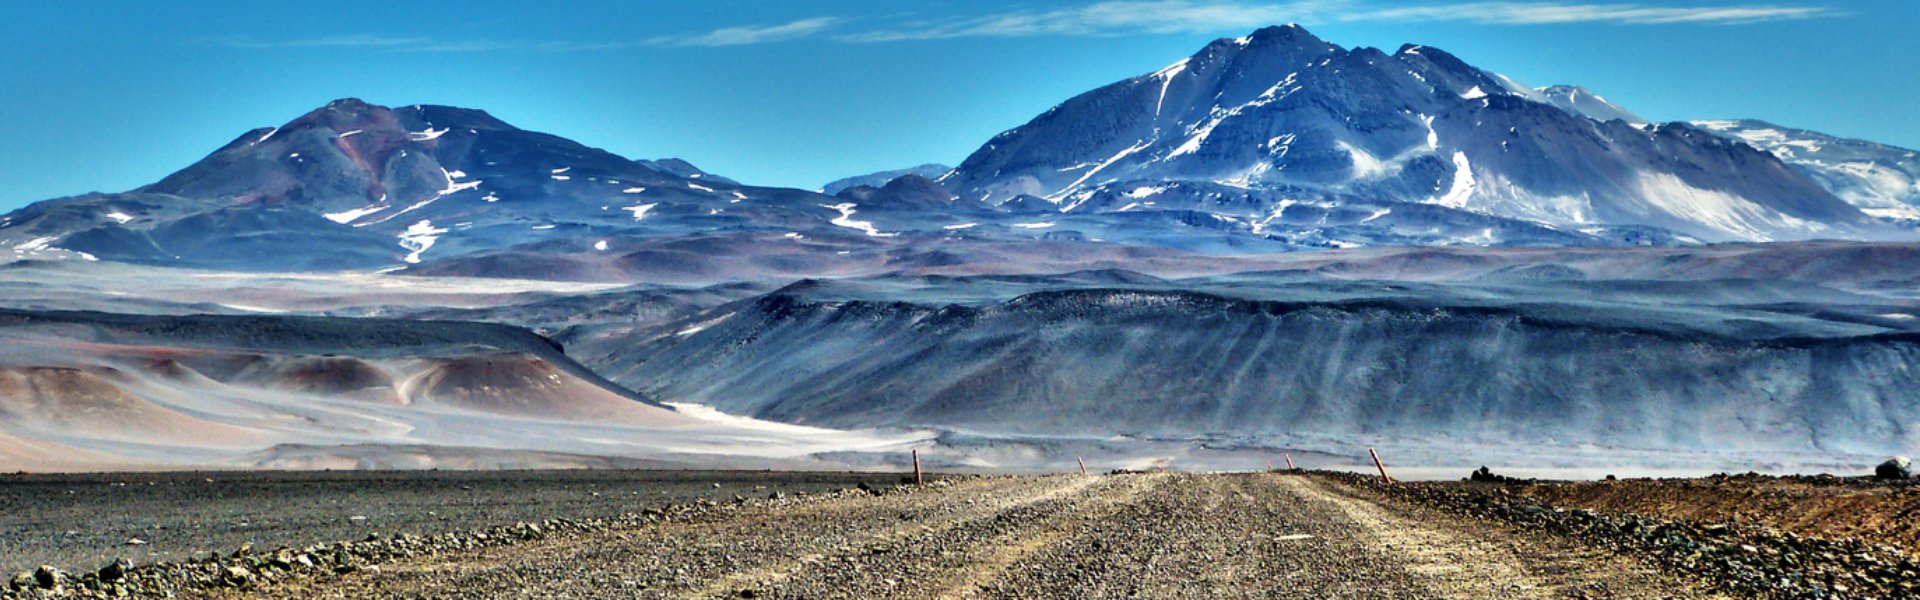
(1118, 17)
(1105, 18)
(755, 34)
(1523, 13)
(725, 36)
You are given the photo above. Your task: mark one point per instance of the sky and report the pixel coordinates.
(108, 96)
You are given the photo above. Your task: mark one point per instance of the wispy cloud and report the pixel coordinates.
(1101, 18)
(1528, 13)
(725, 36)
(754, 34)
(1119, 17)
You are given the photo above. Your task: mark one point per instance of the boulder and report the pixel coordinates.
(116, 570)
(237, 575)
(48, 578)
(1898, 467)
(1485, 474)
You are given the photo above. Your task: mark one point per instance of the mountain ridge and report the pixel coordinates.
(1284, 112)
(1270, 142)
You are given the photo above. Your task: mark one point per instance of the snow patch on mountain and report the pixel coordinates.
(418, 238)
(846, 210)
(1733, 215)
(640, 210)
(1462, 187)
(1166, 76)
(1365, 165)
(348, 216)
(36, 244)
(1128, 151)
(1881, 180)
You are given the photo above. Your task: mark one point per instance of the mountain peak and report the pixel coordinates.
(349, 114)
(1273, 37)
(1582, 101)
(349, 103)
(345, 114)
(1288, 32)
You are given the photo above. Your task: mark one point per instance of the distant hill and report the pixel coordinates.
(929, 171)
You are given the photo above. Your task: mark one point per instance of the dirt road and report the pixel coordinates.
(1159, 535)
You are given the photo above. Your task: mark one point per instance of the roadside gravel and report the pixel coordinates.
(80, 522)
(1146, 535)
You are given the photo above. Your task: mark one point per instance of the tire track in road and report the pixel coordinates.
(1213, 536)
(1476, 559)
(1062, 536)
(1004, 551)
(1457, 566)
(909, 558)
(1270, 535)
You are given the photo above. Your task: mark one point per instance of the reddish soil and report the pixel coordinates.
(1821, 506)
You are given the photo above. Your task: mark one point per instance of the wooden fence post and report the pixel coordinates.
(1083, 465)
(1380, 465)
(918, 479)
(1289, 456)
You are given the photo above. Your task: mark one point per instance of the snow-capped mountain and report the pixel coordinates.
(1259, 128)
(437, 190)
(354, 185)
(1271, 142)
(1882, 180)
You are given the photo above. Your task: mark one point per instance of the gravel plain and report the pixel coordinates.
(79, 522)
(1155, 535)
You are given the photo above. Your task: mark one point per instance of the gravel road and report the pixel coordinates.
(1149, 535)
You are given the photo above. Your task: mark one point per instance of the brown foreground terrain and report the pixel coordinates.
(1820, 506)
(1156, 535)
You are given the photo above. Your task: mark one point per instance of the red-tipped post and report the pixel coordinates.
(919, 479)
(1380, 465)
(1289, 456)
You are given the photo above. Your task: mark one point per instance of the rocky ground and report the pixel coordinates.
(1880, 511)
(1155, 535)
(82, 521)
(1141, 535)
(1725, 532)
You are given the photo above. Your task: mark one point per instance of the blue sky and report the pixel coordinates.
(111, 95)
